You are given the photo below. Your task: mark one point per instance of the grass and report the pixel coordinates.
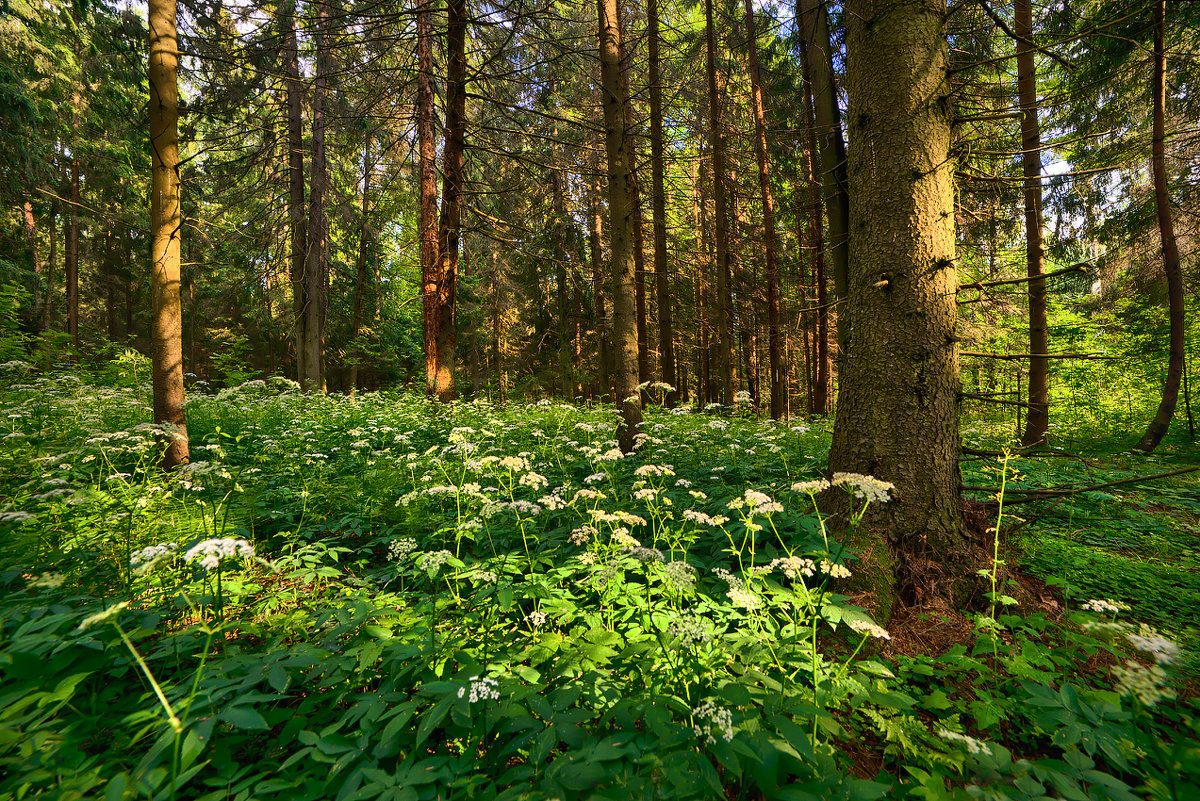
(484, 602)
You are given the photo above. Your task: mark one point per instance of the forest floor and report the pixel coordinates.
(372, 597)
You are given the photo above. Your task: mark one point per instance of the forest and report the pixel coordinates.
(544, 400)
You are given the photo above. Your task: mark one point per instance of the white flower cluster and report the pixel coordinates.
(515, 463)
(645, 554)
(431, 563)
(533, 480)
(623, 539)
(481, 689)
(645, 494)
(536, 618)
(690, 629)
(583, 535)
(143, 561)
(1147, 684)
(719, 722)
(972, 745)
(595, 478)
(16, 517)
(737, 594)
(679, 576)
(47, 581)
(868, 487)
(869, 629)
(759, 503)
(1151, 642)
(811, 487)
(1103, 605)
(793, 566)
(525, 508)
(834, 570)
(622, 517)
(647, 470)
(703, 519)
(212, 552)
(588, 495)
(400, 549)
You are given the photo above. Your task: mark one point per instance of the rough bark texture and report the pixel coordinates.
(1037, 420)
(620, 226)
(1170, 249)
(427, 157)
(778, 405)
(818, 58)
(635, 205)
(822, 364)
(316, 262)
(450, 220)
(662, 293)
(716, 146)
(897, 414)
(297, 213)
(360, 278)
(166, 329)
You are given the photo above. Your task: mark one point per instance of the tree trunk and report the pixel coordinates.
(595, 250)
(51, 265)
(635, 205)
(817, 48)
(897, 412)
(316, 262)
(72, 266)
(360, 279)
(561, 278)
(427, 157)
(165, 226)
(822, 363)
(297, 214)
(717, 149)
(110, 288)
(449, 222)
(620, 226)
(666, 346)
(1170, 249)
(774, 337)
(1037, 421)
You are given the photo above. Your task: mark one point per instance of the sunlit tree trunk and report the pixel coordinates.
(449, 222)
(166, 329)
(1170, 249)
(1037, 421)
(427, 159)
(596, 254)
(360, 279)
(620, 226)
(666, 345)
(717, 150)
(822, 363)
(297, 212)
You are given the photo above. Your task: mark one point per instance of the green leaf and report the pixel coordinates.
(243, 717)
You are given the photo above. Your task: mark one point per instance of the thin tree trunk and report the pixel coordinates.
(427, 157)
(823, 364)
(449, 222)
(72, 271)
(1037, 421)
(360, 280)
(595, 249)
(666, 346)
(316, 263)
(817, 48)
(165, 227)
(774, 337)
(717, 149)
(562, 296)
(620, 226)
(110, 288)
(297, 213)
(635, 205)
(1170, 249)
(51, 265)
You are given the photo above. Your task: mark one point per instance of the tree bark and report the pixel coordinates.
(596, 252)
(360, 279)
(635, 205)
(316, 262)
(561, 279)
(717, 150)
(620, 226)
(1170, 249)
(72, 265)
(822, 363)
(51, 265)
(297, 213)
(165, 226)
(427, 158)
(817, 48)
(897, 413)
(778, 401)
(1037, 420)
(449, 222)
(666, 345)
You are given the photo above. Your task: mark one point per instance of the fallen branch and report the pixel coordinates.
(1074, 268)
(987, 399)
(1023, 356)
(1035, 495)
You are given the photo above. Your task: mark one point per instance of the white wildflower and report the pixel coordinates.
(1147, 684)
(811, 487)
(868, 487)
(536, 618)
(480, 689)
(717, 721)
(47, 581)
(834, 570)
(400, 549)
(869, 629)
(972, 745)
(212, 552)
(1151, 642)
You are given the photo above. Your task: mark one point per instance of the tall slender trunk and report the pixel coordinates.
(562, 295)
(1170, 249)
(297, 213)
(360, 279)
(427, 158)
(703, 363)
(51, 265)
(774, 337)
(72, 266)
(620, 226)
(666, 345)
(316, 263)
(717, 149)
(817, 49)
(110, 288)
(635, 205)
(449, 222)
(1037, 421)
(822, 363)
(165, 227)
(595, 251)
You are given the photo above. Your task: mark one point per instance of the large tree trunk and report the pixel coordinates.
(774, 337)
(1170, 250)
(360, 279)
(427, 157)
(620, 226)
(635, 204)
(1037, 421)
(666, 345)
(897, 413)
(717, 149)
(817, 48)
(297, 213)
(166, 330)
(316, 262)
(449, 223)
